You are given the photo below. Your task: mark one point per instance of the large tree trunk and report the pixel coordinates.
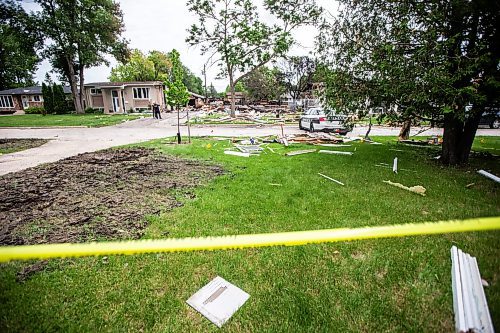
(404, 134)
(231, 89)
(81, 95)
(73, 85)
(458, 137)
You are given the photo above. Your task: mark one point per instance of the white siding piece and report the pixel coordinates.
(333, 180)
(482, 304)
(335, 152)
(236, 153)
(456, 282)
(489, 175)
(469, 300)
(395, 165)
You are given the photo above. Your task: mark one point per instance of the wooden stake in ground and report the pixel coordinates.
(333, 180)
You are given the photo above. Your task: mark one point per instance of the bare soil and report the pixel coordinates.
(94, 196)
(12, 145)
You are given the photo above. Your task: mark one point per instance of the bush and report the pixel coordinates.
(92, 110)
(35, 110)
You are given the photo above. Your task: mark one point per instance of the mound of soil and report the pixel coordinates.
(13, 145)
(93, 196)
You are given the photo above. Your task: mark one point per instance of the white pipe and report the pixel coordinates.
(489, 175)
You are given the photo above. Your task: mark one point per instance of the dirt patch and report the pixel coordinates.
(8, 146)
(94, 196)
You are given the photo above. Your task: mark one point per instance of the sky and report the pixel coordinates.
(162, 25)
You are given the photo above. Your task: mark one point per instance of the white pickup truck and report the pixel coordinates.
(316, 119)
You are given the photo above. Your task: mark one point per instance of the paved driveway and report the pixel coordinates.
(66, 142)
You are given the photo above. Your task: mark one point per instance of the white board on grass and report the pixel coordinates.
(218, 300)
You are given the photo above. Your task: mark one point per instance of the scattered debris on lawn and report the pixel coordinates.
(489, 175)
(250, 149)
(236, 153)
(275, 184)
(387, 166)
(395, 165)
(300, 152)
(418, 189)
(218, 300)
(399, 150)
(333, 180)
(335, 152)
(470, 185)
(469, 301)
(92, 196)
(434, 140)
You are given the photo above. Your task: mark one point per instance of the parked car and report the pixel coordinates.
(491, 119)
(316, 119)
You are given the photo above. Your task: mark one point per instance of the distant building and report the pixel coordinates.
(19, 99)
(123, 97)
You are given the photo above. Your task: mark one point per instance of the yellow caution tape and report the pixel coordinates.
(47, 251)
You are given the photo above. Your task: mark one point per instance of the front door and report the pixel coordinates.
(25, 101)
(116, 101)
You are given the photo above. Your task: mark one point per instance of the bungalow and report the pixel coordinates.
(122, 97)
(18, 99)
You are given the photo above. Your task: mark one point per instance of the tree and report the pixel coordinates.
(435, 60)
(81, 34)
(232, 32)
(177, 94)
(296, 75)
(192, 82)
(137, 68)
(262, 84)
(19, 40)
(48, 98)
(212, 92)
(156, 66)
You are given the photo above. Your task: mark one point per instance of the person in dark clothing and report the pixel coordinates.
(156, 111)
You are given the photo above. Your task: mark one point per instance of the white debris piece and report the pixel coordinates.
(469, 301)
(236, 153)
(333, 180)
(395, 165)
(489, 175)
(335, 152)
(218, 300)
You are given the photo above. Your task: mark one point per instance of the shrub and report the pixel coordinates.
(35, 110)
(92, 110)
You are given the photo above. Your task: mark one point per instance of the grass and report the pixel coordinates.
(89, 120)
(401, 285)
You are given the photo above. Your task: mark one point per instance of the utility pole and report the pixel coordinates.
(205, 76)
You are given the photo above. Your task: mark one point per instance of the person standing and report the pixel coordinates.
(156, 111)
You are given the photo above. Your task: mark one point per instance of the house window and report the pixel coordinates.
(6, 102)
(36, 98)
(141, 93)
(95, 91)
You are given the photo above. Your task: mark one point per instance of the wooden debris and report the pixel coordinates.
(300, 152)
(275, 184)
(333, 180)
(470, 185)
(335, 152)
(489, 175)
(418, 189)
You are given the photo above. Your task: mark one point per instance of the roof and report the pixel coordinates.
(35, 90)
(124, 83)
(196, 95)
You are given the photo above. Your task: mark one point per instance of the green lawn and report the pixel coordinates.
(89, 120)
(396, 285)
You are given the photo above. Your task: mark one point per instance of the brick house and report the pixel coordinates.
(19, 99)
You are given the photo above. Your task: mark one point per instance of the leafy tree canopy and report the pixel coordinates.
(424, 58)
(234, 36)
(19, 40)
